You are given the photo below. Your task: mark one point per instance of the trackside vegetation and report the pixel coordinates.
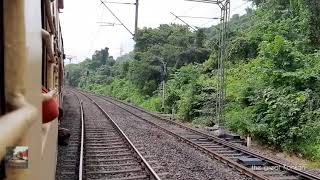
(273, 74)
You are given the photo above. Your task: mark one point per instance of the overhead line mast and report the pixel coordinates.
(222, 56)
(136, 20)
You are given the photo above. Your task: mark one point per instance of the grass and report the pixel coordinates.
(313, 165)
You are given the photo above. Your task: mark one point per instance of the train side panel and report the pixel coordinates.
(21, 124)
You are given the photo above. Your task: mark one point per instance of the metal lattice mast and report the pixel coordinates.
(223, 38)
(222, 55)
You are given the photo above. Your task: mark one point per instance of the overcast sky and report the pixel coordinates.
(83, 34)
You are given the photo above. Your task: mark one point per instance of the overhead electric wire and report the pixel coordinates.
(113, 14)
(207, 1)
(184, 22)
(189, 9)
(197, 17)
(126, 3)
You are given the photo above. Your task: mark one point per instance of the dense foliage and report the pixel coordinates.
(273, 68)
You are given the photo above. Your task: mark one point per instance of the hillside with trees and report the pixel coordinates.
(273, 74)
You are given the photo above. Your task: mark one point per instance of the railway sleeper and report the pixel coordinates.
(69, 167)
(227, 152)
(213, 146)
(72, 156)
(105, 132)
(107, 155)
(68, 173)
(117, 173)
(142, 177)
(109, 151)
(204, 143)
(117, 160)
(100, 167)
(104, 141)
(113, 165)
(196, 138)
(102, 133)
(201, 141)
(73, 142)
(104, 144)
(106, 147)
(285, 178)
(228, 155)
(103, 138)
(217, 149)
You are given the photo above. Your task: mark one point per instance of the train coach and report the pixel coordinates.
(31, 58)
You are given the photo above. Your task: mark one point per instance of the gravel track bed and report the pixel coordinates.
(68, 156)
(179, 159)
(264, 153)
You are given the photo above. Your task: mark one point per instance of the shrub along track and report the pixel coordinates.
(245, 161)
(108, 153)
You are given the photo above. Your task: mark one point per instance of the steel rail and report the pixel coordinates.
(80, 172)
(219, 140)
(82, 142)
(151, 173)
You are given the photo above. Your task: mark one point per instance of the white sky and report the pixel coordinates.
(83, 35)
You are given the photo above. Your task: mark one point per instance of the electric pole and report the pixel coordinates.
(222, 56)
(164, 74)
(136, 20)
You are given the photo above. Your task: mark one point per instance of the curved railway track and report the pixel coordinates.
(245, 161)
(106, 152)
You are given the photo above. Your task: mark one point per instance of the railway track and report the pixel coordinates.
(68, 159)
(107, 153)
(245, 161)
